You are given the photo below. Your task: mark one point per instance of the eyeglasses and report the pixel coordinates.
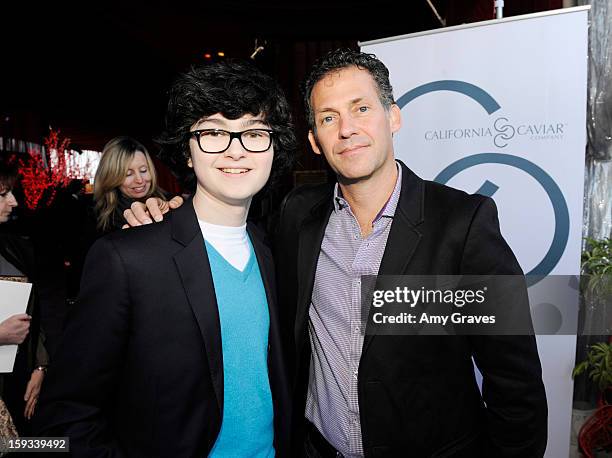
(216, 141)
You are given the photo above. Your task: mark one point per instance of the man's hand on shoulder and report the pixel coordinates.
(152, 210)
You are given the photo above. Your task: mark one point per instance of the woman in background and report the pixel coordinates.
(126, 174)
(20, 389)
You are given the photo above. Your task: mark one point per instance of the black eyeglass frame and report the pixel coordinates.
(232, 135)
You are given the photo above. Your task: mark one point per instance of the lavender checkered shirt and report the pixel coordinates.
(334, 327)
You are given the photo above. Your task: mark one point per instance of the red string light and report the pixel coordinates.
(39, 181)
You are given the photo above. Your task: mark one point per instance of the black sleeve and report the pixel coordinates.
(512, 376)
(79, 391)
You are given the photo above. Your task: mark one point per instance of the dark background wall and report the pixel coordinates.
(101, 69)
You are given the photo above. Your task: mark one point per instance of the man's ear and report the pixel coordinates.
(313, 142)
(395, 118)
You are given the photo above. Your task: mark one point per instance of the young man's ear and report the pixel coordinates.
(313, 142)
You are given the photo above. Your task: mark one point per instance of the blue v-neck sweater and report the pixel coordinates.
(247, 427)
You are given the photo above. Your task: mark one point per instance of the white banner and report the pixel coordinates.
(499, 108)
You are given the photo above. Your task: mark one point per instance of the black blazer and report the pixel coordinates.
(418, 394)
(139, 371)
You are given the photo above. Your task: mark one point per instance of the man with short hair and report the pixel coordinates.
(174, 346)
(359, 394)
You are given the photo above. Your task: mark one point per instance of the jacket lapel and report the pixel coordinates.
(310, 239)
(265, 263)
(266, 268)
(194, 270)
(404, 235)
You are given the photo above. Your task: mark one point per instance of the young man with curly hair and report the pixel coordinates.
(174, 348)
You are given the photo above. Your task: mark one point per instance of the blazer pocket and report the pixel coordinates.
(465, 446)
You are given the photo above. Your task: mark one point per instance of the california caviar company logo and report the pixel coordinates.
(502, 131)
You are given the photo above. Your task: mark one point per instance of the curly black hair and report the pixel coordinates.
(339, 59)
(232, 87)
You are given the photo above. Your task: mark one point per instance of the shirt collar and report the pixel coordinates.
(388, 209)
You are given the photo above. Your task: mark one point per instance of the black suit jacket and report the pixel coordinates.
(139, 371)
(418, 394)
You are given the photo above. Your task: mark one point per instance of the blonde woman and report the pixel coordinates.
(126, 174)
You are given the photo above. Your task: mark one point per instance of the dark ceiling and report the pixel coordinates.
(101, 69)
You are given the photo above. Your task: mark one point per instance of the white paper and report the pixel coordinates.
(13, 300)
